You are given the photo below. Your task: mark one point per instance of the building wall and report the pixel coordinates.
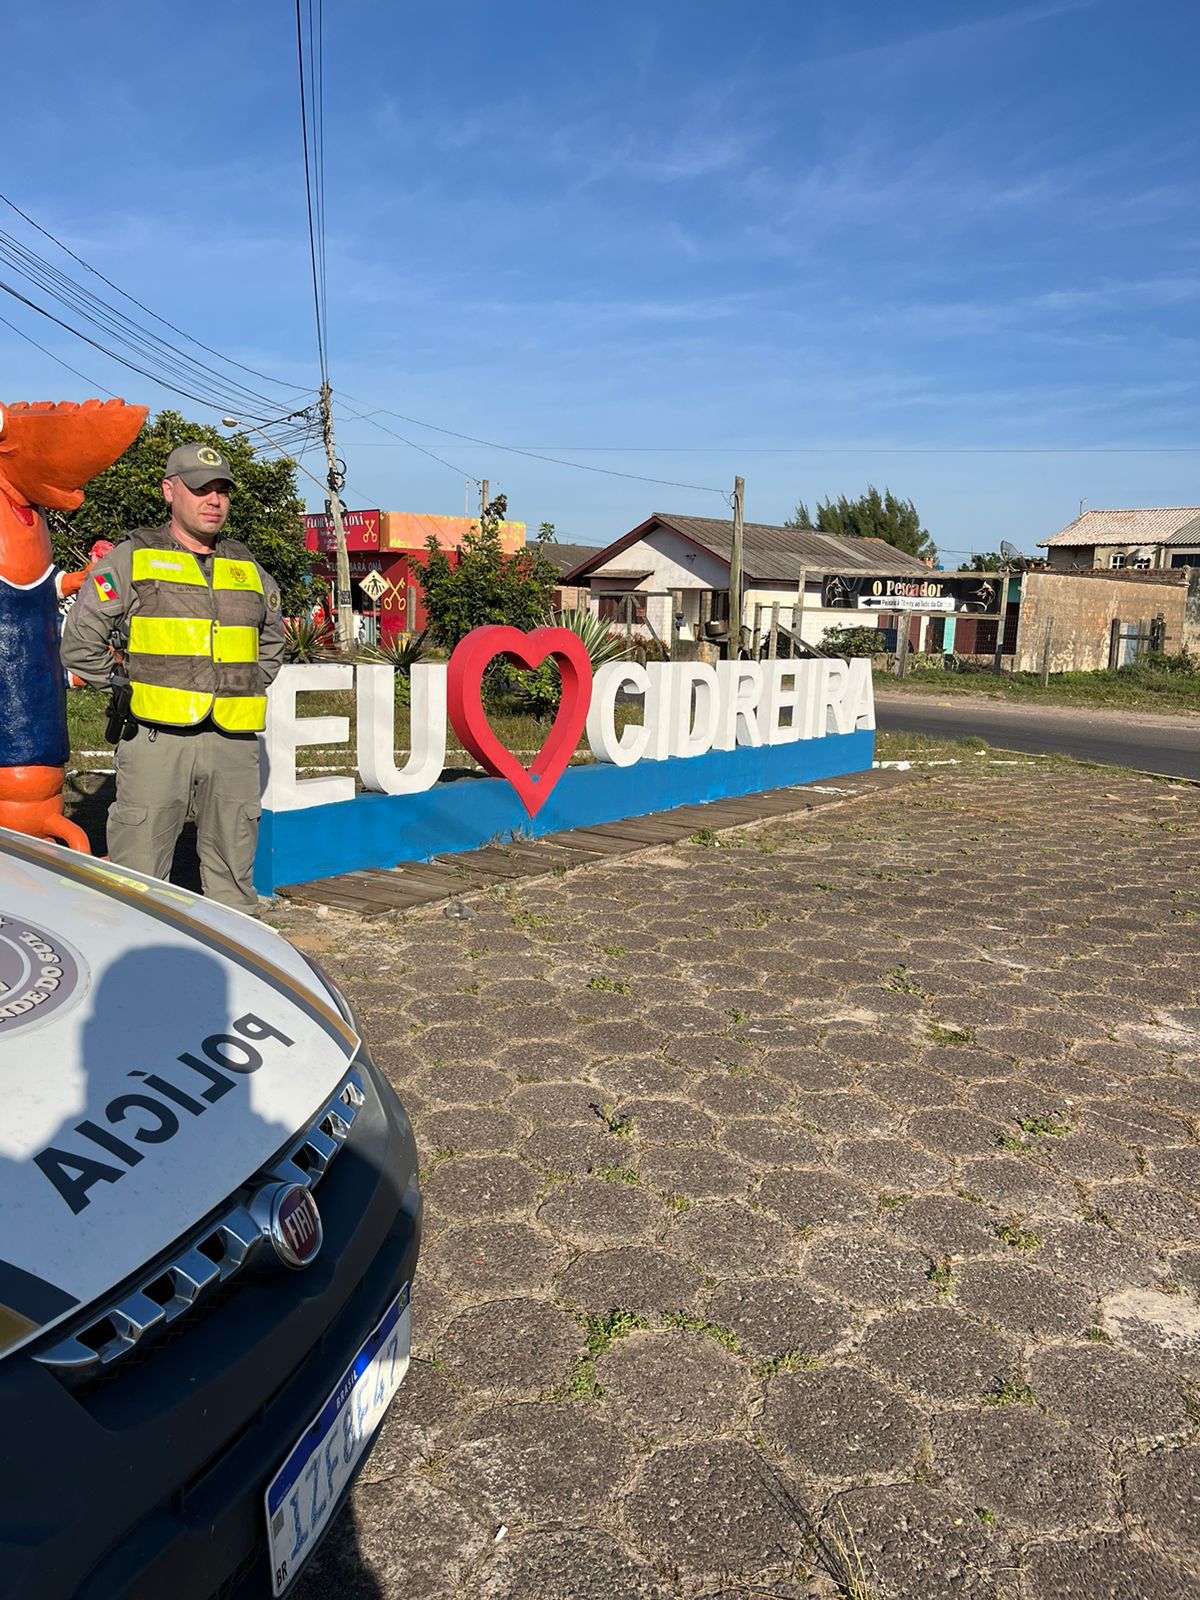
(669, 562)
(1081, 609)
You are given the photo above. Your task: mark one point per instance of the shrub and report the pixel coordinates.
(856, 641)
(306, 641)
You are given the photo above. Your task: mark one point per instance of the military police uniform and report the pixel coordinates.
(203, 638)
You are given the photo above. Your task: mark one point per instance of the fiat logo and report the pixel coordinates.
(291, 1221)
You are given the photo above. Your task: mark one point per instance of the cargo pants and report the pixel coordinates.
(166, 777)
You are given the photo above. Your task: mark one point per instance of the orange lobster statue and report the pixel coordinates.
(47, 453)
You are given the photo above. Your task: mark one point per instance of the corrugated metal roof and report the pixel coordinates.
(1151, 525)
(770, 552)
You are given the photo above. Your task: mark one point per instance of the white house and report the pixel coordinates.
(677, 568)
(1142, 540)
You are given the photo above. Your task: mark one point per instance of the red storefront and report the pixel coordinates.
(388, 542)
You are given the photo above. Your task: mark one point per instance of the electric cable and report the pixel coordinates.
(135, 301)
(314, 255)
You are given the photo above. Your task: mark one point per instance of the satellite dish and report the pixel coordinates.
(1010, 551)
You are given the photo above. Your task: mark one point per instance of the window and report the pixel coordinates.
(1116, 561)
(1142, 564)
(1189, 558)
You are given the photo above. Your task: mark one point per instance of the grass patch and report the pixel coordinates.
(616, 951)
(1013, 1234)
(890, 1202)
(1142, 686)
(955, 1038)
(1014, 1146)
(793, 1361)
(706, 838)
(616, 1175)
(711, 1330)
(608, 985)
(1010, 1394)
(602, 1334)
(1043, 1127)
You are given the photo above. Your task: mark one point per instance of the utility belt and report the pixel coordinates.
(122, 725)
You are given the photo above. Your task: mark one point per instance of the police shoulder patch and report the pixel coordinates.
(104, 586)
(273, 600)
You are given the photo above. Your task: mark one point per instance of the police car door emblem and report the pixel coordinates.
(288, 1215)
(40, 974)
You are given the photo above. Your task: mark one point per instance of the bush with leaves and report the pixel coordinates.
(486, 584)
(264, 511)
(858, 641)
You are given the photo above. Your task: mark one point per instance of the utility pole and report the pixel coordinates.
(344, 605)
(484, 498)
(735, 572)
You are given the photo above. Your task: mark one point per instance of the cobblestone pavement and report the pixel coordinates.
(814, 1213)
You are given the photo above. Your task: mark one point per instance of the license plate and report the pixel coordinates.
(305, 1492)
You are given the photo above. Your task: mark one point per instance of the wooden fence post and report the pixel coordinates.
(773, 637)
(903, 623)
(1114, 643)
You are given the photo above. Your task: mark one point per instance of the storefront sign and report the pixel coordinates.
(361, 527)
(706, 733)
(937, 593)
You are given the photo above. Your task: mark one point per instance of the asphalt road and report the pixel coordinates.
(1170, 745)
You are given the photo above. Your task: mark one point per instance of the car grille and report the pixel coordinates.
(201, 1273)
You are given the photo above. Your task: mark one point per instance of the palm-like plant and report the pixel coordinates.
(600, 641)
(306, 641)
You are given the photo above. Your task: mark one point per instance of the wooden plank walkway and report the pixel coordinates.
(380, 892)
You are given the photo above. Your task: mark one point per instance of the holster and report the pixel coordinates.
(121, 723)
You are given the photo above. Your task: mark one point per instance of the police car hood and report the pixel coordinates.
(156, 1051)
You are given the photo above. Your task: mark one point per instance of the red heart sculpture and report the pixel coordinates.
(464, 703)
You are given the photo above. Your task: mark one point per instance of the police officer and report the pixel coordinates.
(203, 637)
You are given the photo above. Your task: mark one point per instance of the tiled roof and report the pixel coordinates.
(1153, 525)
(566, 557)
(771, 553)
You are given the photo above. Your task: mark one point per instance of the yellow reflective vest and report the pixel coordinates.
(193, 639)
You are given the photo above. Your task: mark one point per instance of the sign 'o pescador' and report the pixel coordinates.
(707, 732)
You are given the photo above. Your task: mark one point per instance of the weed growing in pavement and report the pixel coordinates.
(954, 1037)
(471, 988)
(901, 981)
(443, 1152)
(616, 1175)
(712, 1330)
(889, 1202)
(941, 1276)
(528, 921)
(1012, 1233)
(616, 951)
(1043, 1127)
(845, 1561)
(619, 1126)
(793, 1361)
(1097, 1336)
(706, 838)
(1008, 1393)
(602, 1334)
(986, 1517)
(608, 985)
(677, 1202)
(1014, 1146)
(735, 1015)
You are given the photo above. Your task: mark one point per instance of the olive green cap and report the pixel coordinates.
(197, 464)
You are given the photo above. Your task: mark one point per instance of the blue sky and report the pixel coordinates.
(692, 233)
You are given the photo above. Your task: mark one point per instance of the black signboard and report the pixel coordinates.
(937, 593)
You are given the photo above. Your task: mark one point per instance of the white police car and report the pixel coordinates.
(209, 1222)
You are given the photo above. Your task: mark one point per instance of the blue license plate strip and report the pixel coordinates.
(299, 1509)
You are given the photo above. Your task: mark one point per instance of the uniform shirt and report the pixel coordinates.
(107, 600)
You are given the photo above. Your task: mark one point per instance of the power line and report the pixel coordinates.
(91, 382)
(316, 251)
(411, 443)
(132, 299)
(817, 450)
(535, 455)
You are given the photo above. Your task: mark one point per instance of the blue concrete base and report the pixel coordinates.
(380, 830)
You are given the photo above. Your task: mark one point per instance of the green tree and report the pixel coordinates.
(871, 516)
(264, 511)
(485, 585)
(987, 561)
